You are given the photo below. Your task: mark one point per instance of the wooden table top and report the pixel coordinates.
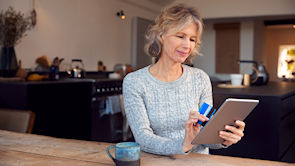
(35, 150)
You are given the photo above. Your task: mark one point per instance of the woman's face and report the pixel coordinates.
(178, 46)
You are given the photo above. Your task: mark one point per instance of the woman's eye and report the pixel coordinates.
(179, 36)
(193, 40)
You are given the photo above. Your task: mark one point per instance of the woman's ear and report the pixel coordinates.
(160, 38)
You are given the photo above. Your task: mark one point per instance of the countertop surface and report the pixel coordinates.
(34, 150)
(61, 81)
(273, 89)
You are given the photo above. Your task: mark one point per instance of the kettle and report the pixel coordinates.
(77, 69)
(261, 76)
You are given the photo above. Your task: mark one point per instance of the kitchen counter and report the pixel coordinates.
(66, 80)
(35, 150)
(272, 89)
(270, 127)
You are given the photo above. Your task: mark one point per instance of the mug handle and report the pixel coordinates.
(108, 151)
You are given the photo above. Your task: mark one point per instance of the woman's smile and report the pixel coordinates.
(182, 53)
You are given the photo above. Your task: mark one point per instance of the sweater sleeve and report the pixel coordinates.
(138, 120)
(206, 90)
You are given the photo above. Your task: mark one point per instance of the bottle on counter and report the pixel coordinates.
(100, 66)
(54, 72)
(54, 69)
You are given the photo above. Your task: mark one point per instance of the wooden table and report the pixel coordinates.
(35, 150)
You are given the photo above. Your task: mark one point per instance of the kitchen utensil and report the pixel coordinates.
(77, 69)
(263, 75)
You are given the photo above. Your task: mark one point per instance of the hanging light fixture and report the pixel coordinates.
(121, 14)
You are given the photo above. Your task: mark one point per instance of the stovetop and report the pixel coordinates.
(107, 87)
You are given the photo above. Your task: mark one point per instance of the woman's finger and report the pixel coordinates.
(235, 130)
(197, 128)
(227, 143)
(229, 137)
(229, 140)
(194, 114)
(197, 115)
(241, 125)
(190, 122)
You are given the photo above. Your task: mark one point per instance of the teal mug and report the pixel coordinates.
(126, 154)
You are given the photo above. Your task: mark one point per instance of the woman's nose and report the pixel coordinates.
(186, 43)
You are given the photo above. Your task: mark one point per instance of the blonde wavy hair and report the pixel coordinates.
(174, 17)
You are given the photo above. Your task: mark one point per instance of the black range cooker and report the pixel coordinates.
(107, 105)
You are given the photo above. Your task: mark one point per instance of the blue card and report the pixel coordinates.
(206, 110)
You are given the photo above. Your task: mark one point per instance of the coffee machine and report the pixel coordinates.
(260, 76)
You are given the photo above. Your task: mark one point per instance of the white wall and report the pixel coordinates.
(90, 30)
(207, 61)
(242, 8)
(86, 29)
(246, 44)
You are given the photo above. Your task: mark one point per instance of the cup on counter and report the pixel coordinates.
(236, 79)
(114, 76)
(126, 154)
(247, 79)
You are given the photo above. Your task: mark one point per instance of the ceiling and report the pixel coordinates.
(161, 2)
(151, 5)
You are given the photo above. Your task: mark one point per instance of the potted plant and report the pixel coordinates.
(13, 26)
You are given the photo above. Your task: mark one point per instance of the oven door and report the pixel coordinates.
(107, 120)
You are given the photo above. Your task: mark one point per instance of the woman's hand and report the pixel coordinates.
(235, 133)
(191, 130)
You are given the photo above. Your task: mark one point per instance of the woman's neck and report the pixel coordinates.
(166, 71)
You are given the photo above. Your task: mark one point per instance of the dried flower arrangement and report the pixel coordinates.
(13, 26)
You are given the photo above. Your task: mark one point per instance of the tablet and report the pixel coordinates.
(231, 110)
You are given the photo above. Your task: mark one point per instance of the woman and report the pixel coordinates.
(161, 100)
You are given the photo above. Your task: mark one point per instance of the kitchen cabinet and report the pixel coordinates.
(270, 128)
(69, 108)
(62, 108)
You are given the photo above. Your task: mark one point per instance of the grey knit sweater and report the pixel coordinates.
(156, 111)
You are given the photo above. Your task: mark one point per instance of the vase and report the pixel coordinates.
(8, 61)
